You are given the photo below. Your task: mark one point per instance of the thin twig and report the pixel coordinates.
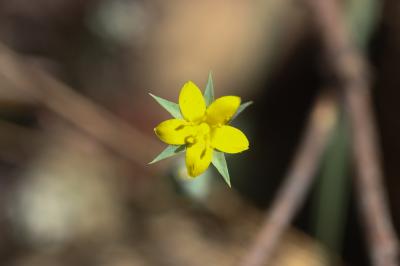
(350, 68)
(297, 183)
(96, 121)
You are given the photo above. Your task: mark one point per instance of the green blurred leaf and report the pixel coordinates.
(170, 151)
(197, 189)
(209, 92)
(363, 18)
(331, 200)
(220, 163)
(241, 108)
(171, 107)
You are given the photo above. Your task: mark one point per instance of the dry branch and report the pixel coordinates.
(297, 183)
(350, 68)
(96, 121)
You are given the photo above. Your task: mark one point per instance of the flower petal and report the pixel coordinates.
(173, 131)
(222, 110)
(191, 102)
(198, 157)
(229, 139)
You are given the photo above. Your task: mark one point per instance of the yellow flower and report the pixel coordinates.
(203, 128)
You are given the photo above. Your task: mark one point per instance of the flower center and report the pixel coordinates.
(203, 129)
(201, 132)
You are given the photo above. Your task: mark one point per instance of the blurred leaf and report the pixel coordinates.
(209, 92)
(220, 163)
(197, 189)
(333, 188)
(170, 151)
(363, 17)
(241, 108)
(171, 107)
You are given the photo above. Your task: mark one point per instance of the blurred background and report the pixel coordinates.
(76, 130)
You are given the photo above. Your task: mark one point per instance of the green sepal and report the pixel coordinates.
(171, 107)
(209, 91)
(241, 108)
(170, 151)
(219, 162)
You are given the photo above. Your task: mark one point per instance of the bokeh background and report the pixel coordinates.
(75, 187)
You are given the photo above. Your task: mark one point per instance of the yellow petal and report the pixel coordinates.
(198, 157)
(173, 131)
(191, 102)
(229, 139)
(222, 110)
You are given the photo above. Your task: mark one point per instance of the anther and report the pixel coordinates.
(190, 140)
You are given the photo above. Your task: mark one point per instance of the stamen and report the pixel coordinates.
(190, 140)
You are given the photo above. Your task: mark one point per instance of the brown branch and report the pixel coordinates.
(350, 68)
(298, 181)
(96, 121)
